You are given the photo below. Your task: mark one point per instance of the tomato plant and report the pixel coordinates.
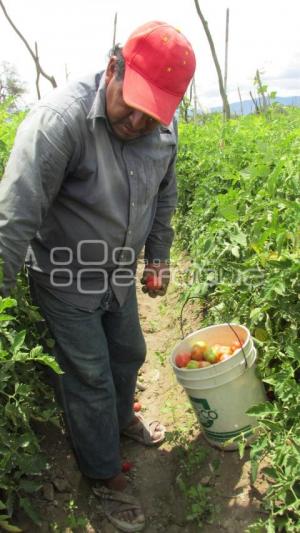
(239, 220)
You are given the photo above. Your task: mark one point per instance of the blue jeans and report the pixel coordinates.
(100, 353)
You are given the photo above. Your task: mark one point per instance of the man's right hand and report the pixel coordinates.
(155, 279)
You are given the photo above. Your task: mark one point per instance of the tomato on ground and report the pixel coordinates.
(137, 407)
(127, 466)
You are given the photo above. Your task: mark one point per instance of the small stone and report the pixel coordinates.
(205, 480)
(48, 492)
(61, 485)
(140, 386)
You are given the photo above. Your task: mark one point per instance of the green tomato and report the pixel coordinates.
(210, 355)
(192, 364)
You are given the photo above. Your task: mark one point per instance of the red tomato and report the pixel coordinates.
(137, 407)
(127, 466)
(236, 345)
(224, 357)
(153, 283)
(203, 364)
(198, 350)
(182, 359)
(220, 350)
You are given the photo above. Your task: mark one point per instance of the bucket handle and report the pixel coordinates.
(228, 324)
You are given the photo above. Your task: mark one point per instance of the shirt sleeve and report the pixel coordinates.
(32, 178)
(160, 238)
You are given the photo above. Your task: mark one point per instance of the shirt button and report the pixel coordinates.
(131, 173)
(132, 204)
(129, 232)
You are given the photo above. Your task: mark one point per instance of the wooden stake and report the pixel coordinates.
(226, 50)
(226, 107)
(115, 30)
(242, 111)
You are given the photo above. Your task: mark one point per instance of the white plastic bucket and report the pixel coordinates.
(222, 393)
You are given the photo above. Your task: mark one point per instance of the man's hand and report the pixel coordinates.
(155, 280)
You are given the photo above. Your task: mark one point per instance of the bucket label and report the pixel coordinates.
(207, 416)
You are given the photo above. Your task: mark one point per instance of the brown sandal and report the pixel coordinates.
(114, 502)
(144, 431)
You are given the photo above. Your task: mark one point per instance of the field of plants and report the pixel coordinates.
(24, 397)
(238, 222)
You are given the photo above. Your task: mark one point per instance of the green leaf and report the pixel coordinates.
(50, 343)
(18, 341)
(30, 486)
(270, 471)
(279, 288)
(235, 250)
(9, 527)
(256, 312)
(36, 352)
(209, 243)
(240, 238)
(5, 317)
(25, 440)
(229, 212)
(261, 409)
(6, 303)
(293, 352)
(275, 427)
(51, 362)
(26, 504)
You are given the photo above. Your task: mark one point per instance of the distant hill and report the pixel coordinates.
(248, 106)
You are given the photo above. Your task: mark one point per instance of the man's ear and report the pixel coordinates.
(110, 69)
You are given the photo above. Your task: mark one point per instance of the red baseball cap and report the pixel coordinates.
(159, 65)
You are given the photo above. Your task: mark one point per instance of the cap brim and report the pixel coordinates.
(143, 95)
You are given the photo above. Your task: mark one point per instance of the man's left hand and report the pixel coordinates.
(155, 279)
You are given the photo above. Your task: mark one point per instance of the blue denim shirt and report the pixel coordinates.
(85, 201)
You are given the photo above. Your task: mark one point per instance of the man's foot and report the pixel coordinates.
(122, 509)
(148, 433)
(118, 482)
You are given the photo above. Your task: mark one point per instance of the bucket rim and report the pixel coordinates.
(213, 326)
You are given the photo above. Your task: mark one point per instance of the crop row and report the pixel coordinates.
(239, 219)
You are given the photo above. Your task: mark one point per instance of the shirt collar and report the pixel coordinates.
(98, 108)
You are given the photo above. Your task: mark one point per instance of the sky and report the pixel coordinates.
(75, 36)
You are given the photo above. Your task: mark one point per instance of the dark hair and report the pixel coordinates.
(120, 64)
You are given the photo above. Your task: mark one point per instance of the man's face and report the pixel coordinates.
(126, 122)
